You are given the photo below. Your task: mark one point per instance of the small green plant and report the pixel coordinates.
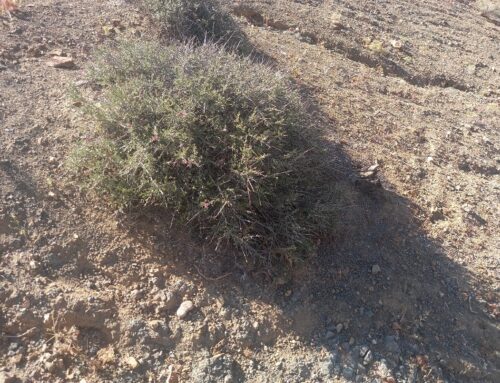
(196, 20)
(221, 142)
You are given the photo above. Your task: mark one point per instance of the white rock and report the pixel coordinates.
(376, 269)
(184, 309)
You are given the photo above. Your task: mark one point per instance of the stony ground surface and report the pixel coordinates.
(407, 289)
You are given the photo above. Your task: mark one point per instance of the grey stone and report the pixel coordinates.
(363, 350)
(368, 358)
(391, 345)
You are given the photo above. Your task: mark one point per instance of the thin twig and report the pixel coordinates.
(209, 278)
(20, 335)
(470, 308)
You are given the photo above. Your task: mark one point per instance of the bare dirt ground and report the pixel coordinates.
(407, 289)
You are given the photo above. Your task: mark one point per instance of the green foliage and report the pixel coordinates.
(198, 20)
(219, 141)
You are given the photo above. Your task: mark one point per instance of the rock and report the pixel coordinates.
(396, 44)
(81, 82)
(330, 335)
(339, 327)
(131, 362)
(363, 350)
(56, 52)
(376, 269)
(368, 358)
(61, 62)
(184, 309)
(367, 174)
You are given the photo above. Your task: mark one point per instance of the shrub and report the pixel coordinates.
(198, 20)
(219, 141)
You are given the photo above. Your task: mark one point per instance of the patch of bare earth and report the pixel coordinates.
(407, 289)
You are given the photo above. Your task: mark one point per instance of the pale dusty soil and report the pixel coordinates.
(86, 292)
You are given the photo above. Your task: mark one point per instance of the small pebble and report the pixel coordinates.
(363, 350)
(184, 309)
(368, 358)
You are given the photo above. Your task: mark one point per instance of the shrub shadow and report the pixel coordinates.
(380, 276)
(421, 300)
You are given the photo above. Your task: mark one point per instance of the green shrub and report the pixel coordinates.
(219, 141)
(198, 20)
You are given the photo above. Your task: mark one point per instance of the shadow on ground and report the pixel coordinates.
(379, 281)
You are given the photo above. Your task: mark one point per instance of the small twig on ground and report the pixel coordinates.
(20, 335)
(470, 307)
(209, 278)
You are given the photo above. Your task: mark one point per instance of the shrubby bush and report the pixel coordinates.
(222, 143)
(196, 20)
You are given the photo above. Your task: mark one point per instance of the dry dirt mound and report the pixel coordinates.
(406, 292)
